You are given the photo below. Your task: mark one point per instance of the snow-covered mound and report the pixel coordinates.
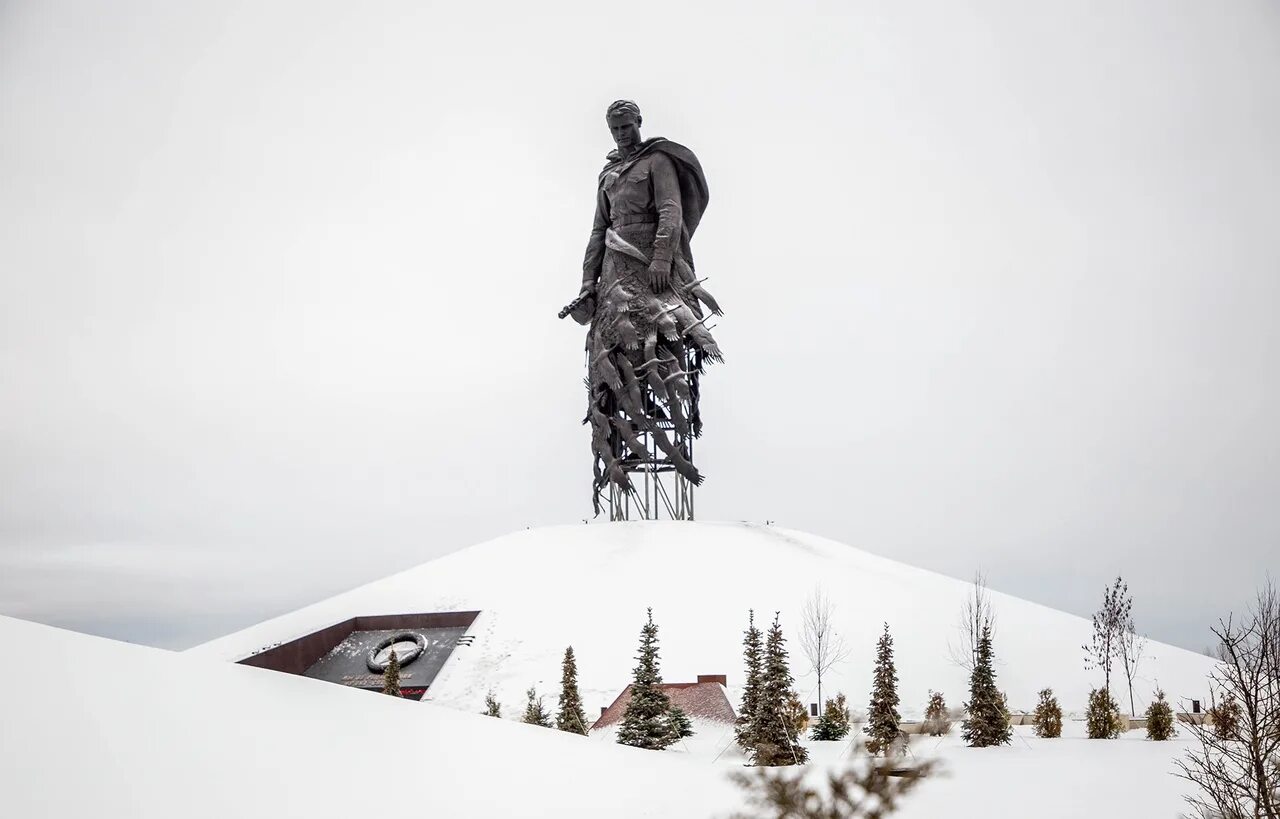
(92, 727)
(588, 586)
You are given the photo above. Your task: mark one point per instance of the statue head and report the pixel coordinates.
(624, 119)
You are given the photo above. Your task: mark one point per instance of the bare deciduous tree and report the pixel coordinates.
(1109, 624)
(1132, 647)
(976, 616)
(822, 647)
(1237, 772)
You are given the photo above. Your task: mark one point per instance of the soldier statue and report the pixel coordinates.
(648, 339)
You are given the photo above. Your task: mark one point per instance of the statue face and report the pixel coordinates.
(625, 130)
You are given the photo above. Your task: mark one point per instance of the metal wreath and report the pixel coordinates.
(420, 645)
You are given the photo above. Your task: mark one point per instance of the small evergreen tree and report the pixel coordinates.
(1048, 716)
(492, 708)
(936, 720)
(534, 713)
(647, 720)
(776, 741)
(797, 715)
(748, 713)
(391, 676)
(570, 716)
(883, 716)
(1102, 720)
(680, 725)
(988, 720)
(834, 722)
(1225, 717)
(1160, 719)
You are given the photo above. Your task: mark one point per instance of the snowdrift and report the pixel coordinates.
(93, 727)
(588, 586)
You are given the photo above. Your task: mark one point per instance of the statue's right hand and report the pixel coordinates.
(583, 307)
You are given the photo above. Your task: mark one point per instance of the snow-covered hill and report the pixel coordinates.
(93, 727)
(589, 585)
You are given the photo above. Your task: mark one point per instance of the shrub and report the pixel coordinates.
(1048, 716)
(534, 712)
(391, 676)
(936, 719)
(797, 715)
(1225, 717)
(1160, 719)
(1103, 719)
(834, 722)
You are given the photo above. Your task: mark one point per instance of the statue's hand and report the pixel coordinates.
(659, 275)
(582, 308)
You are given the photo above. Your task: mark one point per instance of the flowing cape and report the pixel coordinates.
(693, 183)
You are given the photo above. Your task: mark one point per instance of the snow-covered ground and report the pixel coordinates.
(95, 727)
(1067, 778)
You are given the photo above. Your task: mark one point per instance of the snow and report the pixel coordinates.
(588, 586)
(156, 734)
(153, 733)
(1126, 778)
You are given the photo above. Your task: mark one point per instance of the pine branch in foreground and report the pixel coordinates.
(869, 790)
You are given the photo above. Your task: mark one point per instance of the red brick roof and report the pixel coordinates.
(700, 700)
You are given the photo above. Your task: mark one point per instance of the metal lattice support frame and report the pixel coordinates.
(657, 491)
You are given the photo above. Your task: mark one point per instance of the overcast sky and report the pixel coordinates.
(278, 285)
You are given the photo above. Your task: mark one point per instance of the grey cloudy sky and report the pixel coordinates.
(278, 285)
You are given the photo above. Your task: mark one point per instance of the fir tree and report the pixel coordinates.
(1102, 720)
(883, 716)
(534, 713)
(1160, 719)
(988, 720)
(775, 739)
(647, 721)
(748, 712)
(391, 676)
(1048, 716)
(936, 720)
(570, 717)
(492, 708)
(680, 725)
(834, 722)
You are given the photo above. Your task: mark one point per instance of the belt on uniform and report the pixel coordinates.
(639, 219)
